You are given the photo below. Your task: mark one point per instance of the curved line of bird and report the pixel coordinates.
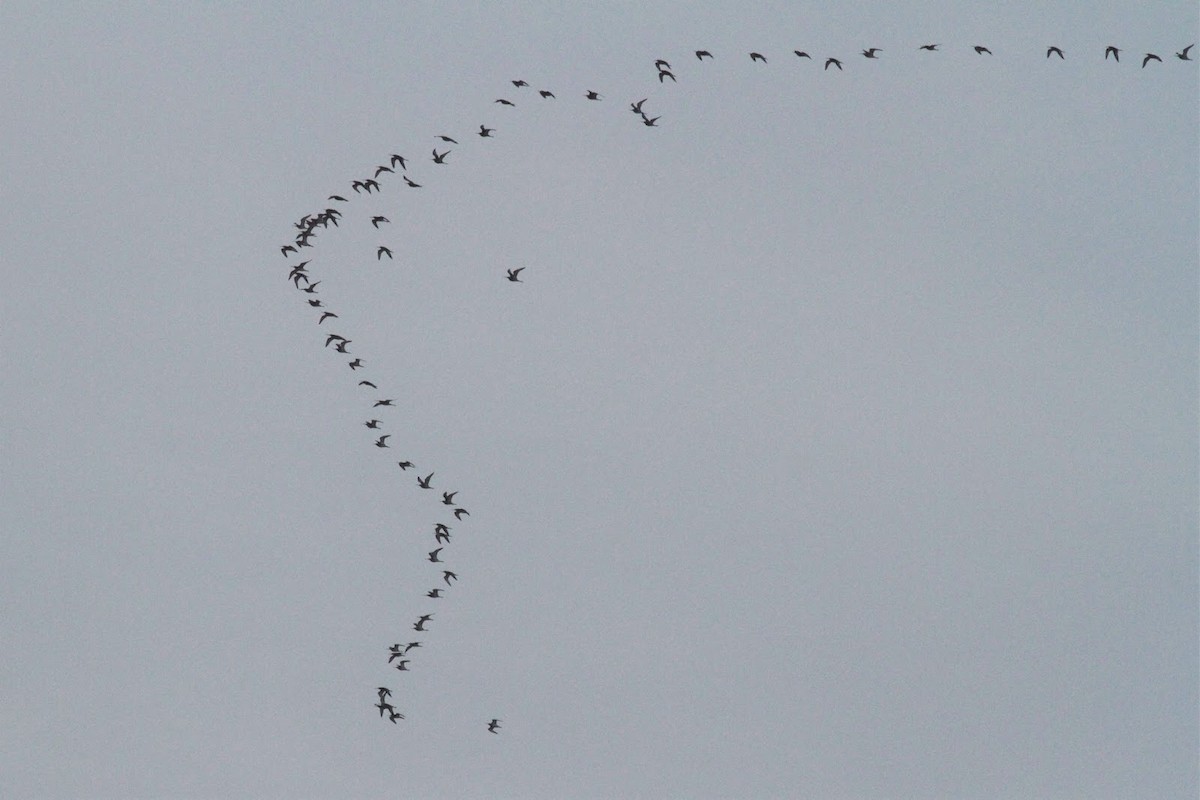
(310, 225)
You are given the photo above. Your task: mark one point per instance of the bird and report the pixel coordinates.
(419, 625)
(1150, 57)
(382, 440)
(433, 556)
(1115, 52)
(311, 288)
(372, 423)
(387, 402)
(447, 575)
(447, 139)
(434, 593)
(384, 692)
(448, 498)
(870, 52)
(700, 54)
(519, 83)
(411, 645)
(381, 252)
(459, 513)
(833, 61)
(440, 528)
(404, 464)
(485, 132)
(442, 536)
(398, 160)
(395, 651)
(411, 183)
(802, 54)
(314, 303)
(339, 198)
(592, 95)
(424, 482)
(327, 315)
(666, 74)
(380, 170)
(504, 102)
(341, 346)
(662, 63)
(1182, 55)
(333, 337)
(758, 57)
(356, 363)
(287, 248)
(512, 274)
(546, 93)
(649, 121)
(493, 726)
(367, 383)
(1057, 50)
(637, 107)
(382, 704)
(394, 715)
(378, 219)
(440, 158)
(930, 47)
(980, 49)
(403, 665)
(370, 185)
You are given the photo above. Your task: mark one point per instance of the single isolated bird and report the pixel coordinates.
(327, 315)
(870, 52)
(1115, 52)
(447, 139)
(372, 423)
(504, 102)
(448, 498)
(419, 625)
(802, 54)
(382, 440)
(494, 726)
(386, 402)
(1054, 50)
(434, 593)
(439, 158)
(424, 482)
(447, 575)
(981, 50)
(649, 122)
(834, 62)
(637, 107)
(1150, 57)
(398, 160)
(930, 47)
(593, 95)
(758, 57)
(367, 383)
(381, 252)
(405, 464)
(433, 556)
(459, 513)
(378, 219)
(702, 54)
(546, 94)
(486, 132)
(512, 274)
(1182, 55)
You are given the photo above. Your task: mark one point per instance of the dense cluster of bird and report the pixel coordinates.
(311, 225)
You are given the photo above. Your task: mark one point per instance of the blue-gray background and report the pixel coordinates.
(841, 440)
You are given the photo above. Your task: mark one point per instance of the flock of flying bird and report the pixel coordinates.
(311, 225)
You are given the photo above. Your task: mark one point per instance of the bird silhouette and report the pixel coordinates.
(424, 482)
(494, 727)
(384, 692)
(1150, 57)
(546, 93)
(386, 402)
(327, 315)
(381, 252)
(433, 556)
(1183, 54)
(441, 527)
(442, 536)
(981, 50)
(512, 274)
(1115, 52)
(403, 665)
(367, 383)
(758, 57)
(666, 74)
(315, 303)
(649, 122)
(372, 423)
(339, 198)
(1056, 50)
(341, 346)
(383, 704)
(380, 170)
(504, 102)
(411, 645)
(637, 107)
(356, 363)
(411, 183)
(834, 62)
(485, 132)
(802, 54)
(447, 575)
(287, 248)
(419, 625)
(405, 464)
(396, 653)
(440, 158)
(593, 95)
(702, 54)
(448, 498)
(382, 440)
(378, 219)
(519, 83)
(930, 47)
(662, 64)
(870, 52)
(447, 139)
(434, 593)
(394, 715)
(398, 160)
(459, 513)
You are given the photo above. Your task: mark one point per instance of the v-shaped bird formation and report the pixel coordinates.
(311, 226)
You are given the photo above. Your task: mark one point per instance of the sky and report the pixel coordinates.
(839, 440)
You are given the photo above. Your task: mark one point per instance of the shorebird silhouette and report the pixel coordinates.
(434, 593)
(386, 402)
(376, 220)
(833, 61)
(383, 704)
(592, 95)
(1150, 57)
(637, 107)
(382, 440)
(493, 726)
(1115, 52)
(403, 665)
(394, 715)
(666, 74)
(448, 498)
(384, 692)
(519, 83)
(1183, 54)
(701, 54)
(341, 346)
(447, 575)
(439, 158)
(981, 50)
(381, 252)
(662, 63)
(398, 160)
(372, 423)
(1056, 50)
(870, 52)
(433, 556)
(333, 337)
(411, 183)
(442, 536)
(649, 122)
(404, 464)
(447, 139)
(380, 170)
(930, 47)
(486, 132)
(802, 54)
(512, 274)
(504, 102)
(758, 57)
(315, 303)
(424, 482)
(419, 625)
(356, 363)
(339, 198)
(546, 93)
(459, 513)
(327, 315)
(367, 383)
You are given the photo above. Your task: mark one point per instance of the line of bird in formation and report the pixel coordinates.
(311, 224)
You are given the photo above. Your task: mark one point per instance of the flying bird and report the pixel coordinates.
(424, 482)
(341, 346)
(637, 107)
(398, 160)
(459, 513)
(1055, 50)
(592, 95)
(504, 102)
(930, 47)
(403, 665)
(410, 182)
(758, 57)
(649, 121)
(662, 64)
(434, 593)
(666, 74)
(447, 575)
(313, 303)
(440, 158)
(333, 337)
(367, 383)
(546, 93)
(382, 440)
(1183, 54)
(981, 50)
(404, 464)
(485, 132)
(448, 498)
(701, 54)
(339, 198)
(447, 139)
(1150, 57)
(394, 715)
(372, 423)
(287, 248)
(380, 170)
(327, 315)
(1115, 52)
(833, 61)
(493, 726)
(395, 651)
(441, 527)
(433, 556)
(382, 705)
(519, 83)
(419, 625)
(356, 363)
(802, 54)
(870, 52)
(381, 252)
(384, 692)
(378, 219)
(387, 402)
(442, 536)
(411, 645)
(512, 274)
(311, 288)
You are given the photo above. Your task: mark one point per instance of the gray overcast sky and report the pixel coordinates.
(840, 440)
